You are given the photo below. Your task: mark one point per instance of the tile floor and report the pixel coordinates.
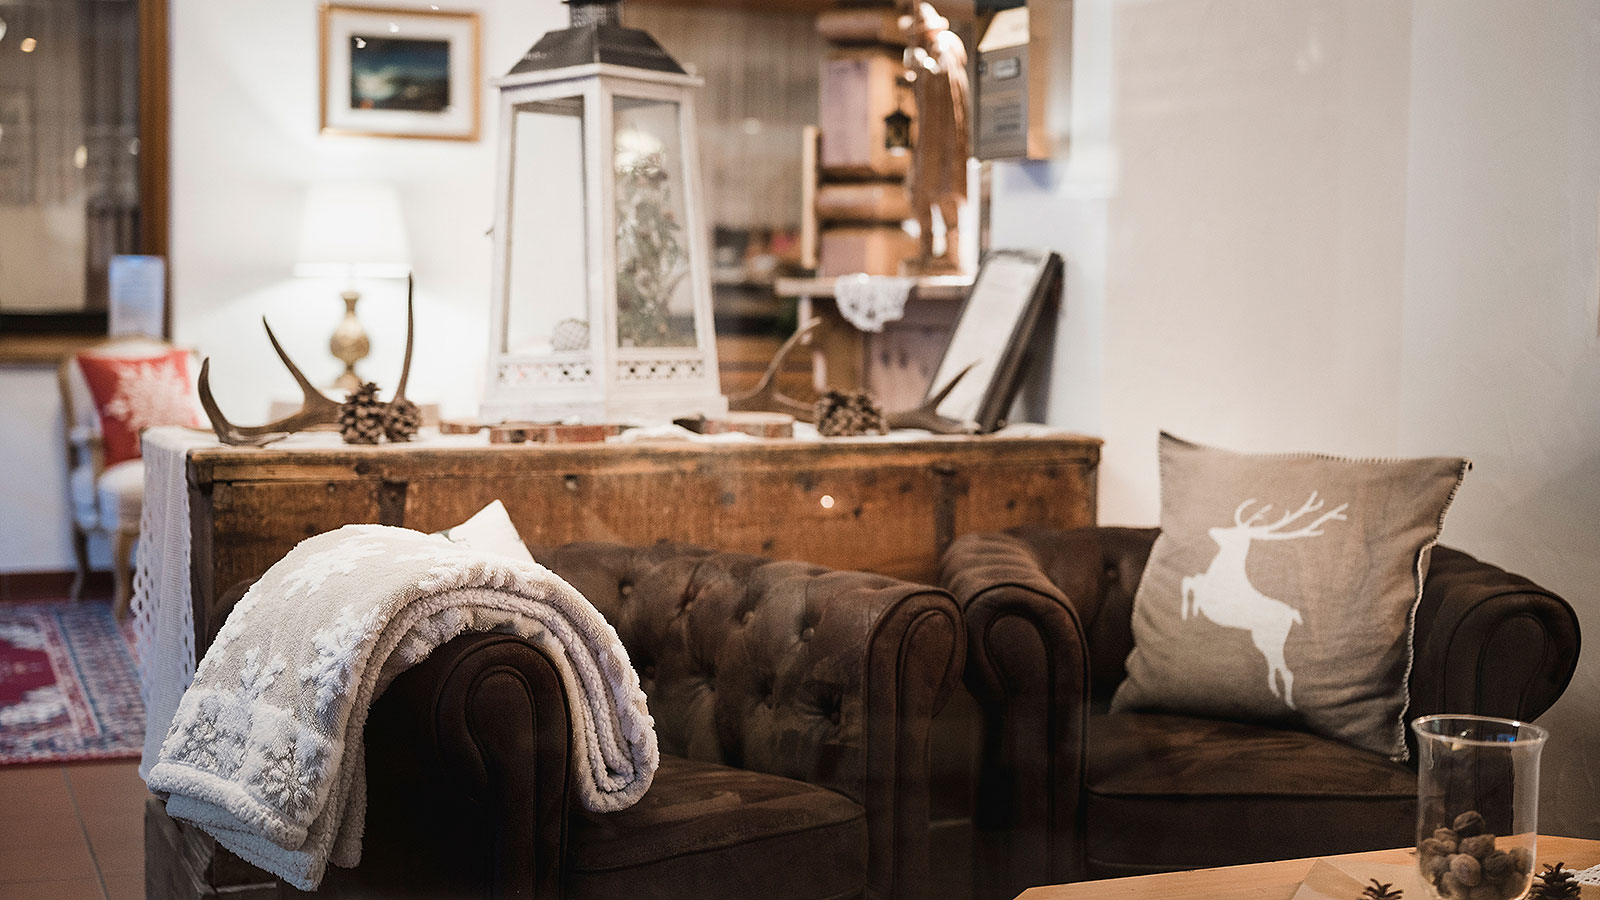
(72, 831)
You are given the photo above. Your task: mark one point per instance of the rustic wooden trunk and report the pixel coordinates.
(877, 506)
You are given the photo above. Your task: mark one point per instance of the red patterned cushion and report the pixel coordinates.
(132, 394)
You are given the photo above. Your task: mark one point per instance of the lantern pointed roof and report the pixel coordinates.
(596, 36)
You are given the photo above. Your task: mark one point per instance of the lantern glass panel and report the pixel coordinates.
(547, 253)
(655, 289)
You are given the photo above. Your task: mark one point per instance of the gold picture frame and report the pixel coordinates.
(400, 73)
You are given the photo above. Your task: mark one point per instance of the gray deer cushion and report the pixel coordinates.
(1283, 588)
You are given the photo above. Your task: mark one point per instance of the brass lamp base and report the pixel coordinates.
(349, 344)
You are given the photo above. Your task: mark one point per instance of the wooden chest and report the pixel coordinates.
(880, 506)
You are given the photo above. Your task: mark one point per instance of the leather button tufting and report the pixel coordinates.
(746, 616)
(807, 632)
(625, 589)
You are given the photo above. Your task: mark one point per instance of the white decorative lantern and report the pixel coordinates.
(602, 287)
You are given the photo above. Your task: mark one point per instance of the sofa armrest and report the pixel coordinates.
(1028, 668)
(467, 777)
(1489, 642)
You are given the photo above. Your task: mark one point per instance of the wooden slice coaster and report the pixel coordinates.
(512, 432)
(756, 424)
(573, 434)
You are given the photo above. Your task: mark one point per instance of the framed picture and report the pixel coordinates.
(410, 73)
(990, 342)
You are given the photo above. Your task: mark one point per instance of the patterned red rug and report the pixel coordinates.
(68, 689)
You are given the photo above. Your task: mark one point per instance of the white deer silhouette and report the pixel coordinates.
(1223, 593)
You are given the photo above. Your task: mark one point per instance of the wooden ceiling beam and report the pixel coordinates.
(958, 10)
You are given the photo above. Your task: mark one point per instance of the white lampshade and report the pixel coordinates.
(353, 230)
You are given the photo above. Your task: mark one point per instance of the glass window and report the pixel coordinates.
(547, 248)
(69, 150)
(655, 292)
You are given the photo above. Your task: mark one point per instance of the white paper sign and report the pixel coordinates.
(138, 295)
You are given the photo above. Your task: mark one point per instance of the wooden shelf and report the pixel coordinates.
(34, 349)
(929, 287)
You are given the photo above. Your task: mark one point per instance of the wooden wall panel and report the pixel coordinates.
(760, 70)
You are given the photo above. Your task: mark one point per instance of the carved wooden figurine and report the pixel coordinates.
(936, 66)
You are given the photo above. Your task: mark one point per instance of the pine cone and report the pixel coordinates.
(1379, 890)
(401, 419)
(841, 414)
(1469, 823)
(1555, 883)
(361, 416)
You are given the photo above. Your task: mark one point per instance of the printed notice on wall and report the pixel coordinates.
(138, 295)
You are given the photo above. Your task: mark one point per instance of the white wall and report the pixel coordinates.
(35, 515)
(1062, 206)
(1360, 227)
(1255, 251)
(245, 150)
(1501, 359)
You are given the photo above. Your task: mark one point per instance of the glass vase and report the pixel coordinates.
(1477, 806)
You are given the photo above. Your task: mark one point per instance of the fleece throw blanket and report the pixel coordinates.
(265, 751)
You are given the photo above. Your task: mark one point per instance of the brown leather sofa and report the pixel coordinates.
(1069, 791)
(792, 705)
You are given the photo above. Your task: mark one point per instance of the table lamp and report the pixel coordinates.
(352, 231)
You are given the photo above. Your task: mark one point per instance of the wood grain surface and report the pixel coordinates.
(887, 507)
(1273, 880)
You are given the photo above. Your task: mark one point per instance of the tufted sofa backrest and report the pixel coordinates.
(753, 663)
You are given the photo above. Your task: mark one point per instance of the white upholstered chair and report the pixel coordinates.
(105, 499)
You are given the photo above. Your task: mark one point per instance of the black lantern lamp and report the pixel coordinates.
(897, 132)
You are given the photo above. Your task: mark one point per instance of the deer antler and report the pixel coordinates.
(765, 395)
(927, 415)
(405, 367)
(1312, 504)
(317, 408)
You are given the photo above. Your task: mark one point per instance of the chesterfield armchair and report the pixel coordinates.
(1069, 791)
(792, 705)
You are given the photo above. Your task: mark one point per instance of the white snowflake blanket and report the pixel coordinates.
(266, 752)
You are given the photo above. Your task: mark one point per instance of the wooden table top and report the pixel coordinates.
(1273, 880)
(322, 455)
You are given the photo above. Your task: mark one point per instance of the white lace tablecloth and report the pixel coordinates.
(163, 616)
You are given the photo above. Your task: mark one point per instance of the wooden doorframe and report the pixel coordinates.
(155, 149)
